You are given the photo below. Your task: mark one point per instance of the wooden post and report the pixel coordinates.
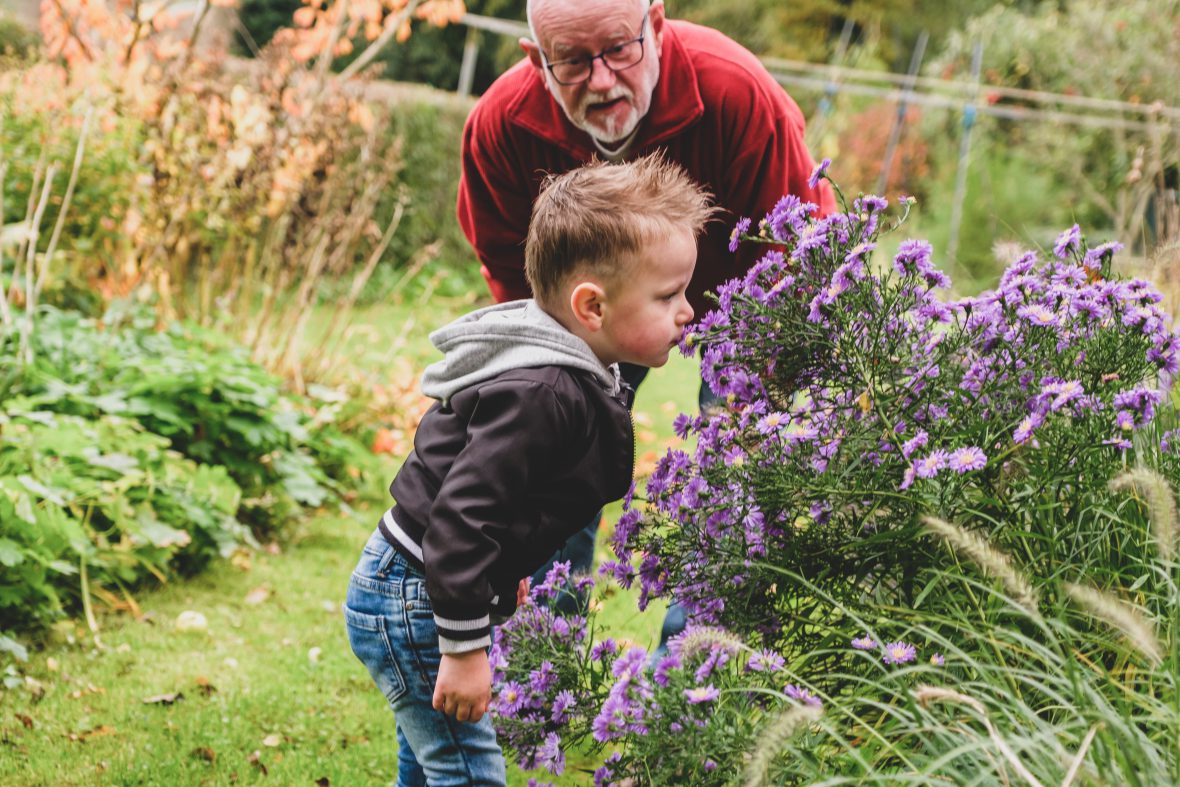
(907, 91)
(467, 68)
(952, 250)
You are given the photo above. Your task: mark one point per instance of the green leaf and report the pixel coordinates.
(120, 463)
(37, 488)
(14, 648)
(11, 553)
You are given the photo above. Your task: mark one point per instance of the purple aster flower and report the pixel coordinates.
(740, 229)
(561, 706)
(698, 694)
(964, 460)
(1038, 315)
(765, 661)
(605, 773)
(870, 203)
(864, 643)
(802, 695)
(818, 173)
(709, 765)
(899, 653)
(1096, 256)
(937, 660)
(914, 443)
(541, 680)
(931, 464)
(1067, 242)
(606, 647)
(511, 698)
(1027, 426)
(913, 258)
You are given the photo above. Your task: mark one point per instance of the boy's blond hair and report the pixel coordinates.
(593, 220)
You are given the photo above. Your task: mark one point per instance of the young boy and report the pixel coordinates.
(530, 436)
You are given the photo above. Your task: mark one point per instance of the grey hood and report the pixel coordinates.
(513, 335)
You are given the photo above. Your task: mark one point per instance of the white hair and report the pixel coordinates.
(528, 13)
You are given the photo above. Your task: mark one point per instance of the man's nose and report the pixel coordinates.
(602, 78)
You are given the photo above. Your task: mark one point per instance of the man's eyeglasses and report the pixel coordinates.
(575, 70)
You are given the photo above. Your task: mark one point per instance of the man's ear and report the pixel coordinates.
(533, 51)
(656, 20)
(586, 302)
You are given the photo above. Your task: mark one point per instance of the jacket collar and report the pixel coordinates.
(675, 104)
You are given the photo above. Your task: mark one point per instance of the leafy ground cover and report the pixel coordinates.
(266, 691)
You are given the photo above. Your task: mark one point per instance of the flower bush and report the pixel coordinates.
(870, 431)
(857, 399)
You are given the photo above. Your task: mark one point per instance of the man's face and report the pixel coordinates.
(609, 104)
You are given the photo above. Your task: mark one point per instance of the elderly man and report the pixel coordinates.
(616, 79)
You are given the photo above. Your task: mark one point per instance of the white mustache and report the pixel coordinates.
(618, 91)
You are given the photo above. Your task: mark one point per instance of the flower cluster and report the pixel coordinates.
(689, 715)
(857, 397)
(686, 714)
(544, 670)
(894, 653)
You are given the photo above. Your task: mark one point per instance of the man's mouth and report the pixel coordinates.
(602, 106)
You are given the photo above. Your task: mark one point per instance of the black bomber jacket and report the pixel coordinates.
(502, 473)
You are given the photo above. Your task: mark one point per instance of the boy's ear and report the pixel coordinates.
(586, 302)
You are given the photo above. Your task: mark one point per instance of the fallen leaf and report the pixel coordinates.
(191, 620)
(258, 595)
(97, 732)
(272, 740)
(255, 759)
(163, 699)
(204, 686)
(204, 753)
(242, 560)
(25, 720)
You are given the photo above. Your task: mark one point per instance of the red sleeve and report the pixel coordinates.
(494, 207)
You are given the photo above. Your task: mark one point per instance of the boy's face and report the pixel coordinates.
(646, 309)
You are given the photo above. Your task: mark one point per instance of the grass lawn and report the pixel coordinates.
(269, 692)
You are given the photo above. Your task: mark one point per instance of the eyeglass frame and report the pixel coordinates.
(643, 24)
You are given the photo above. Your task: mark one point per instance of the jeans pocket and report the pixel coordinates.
(369, 637)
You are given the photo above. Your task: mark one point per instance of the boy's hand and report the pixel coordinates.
(522, 591)
(464, 686)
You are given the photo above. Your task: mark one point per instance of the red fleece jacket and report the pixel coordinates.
(715, 111)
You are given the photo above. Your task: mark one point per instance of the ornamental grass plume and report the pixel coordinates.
(925, 695)
(772, 739)
(990, 560)
(1123, 617)
(1155, 491)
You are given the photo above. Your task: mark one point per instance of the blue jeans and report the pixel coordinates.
(391, 629)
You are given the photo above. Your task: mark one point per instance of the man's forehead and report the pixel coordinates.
(572, 24)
